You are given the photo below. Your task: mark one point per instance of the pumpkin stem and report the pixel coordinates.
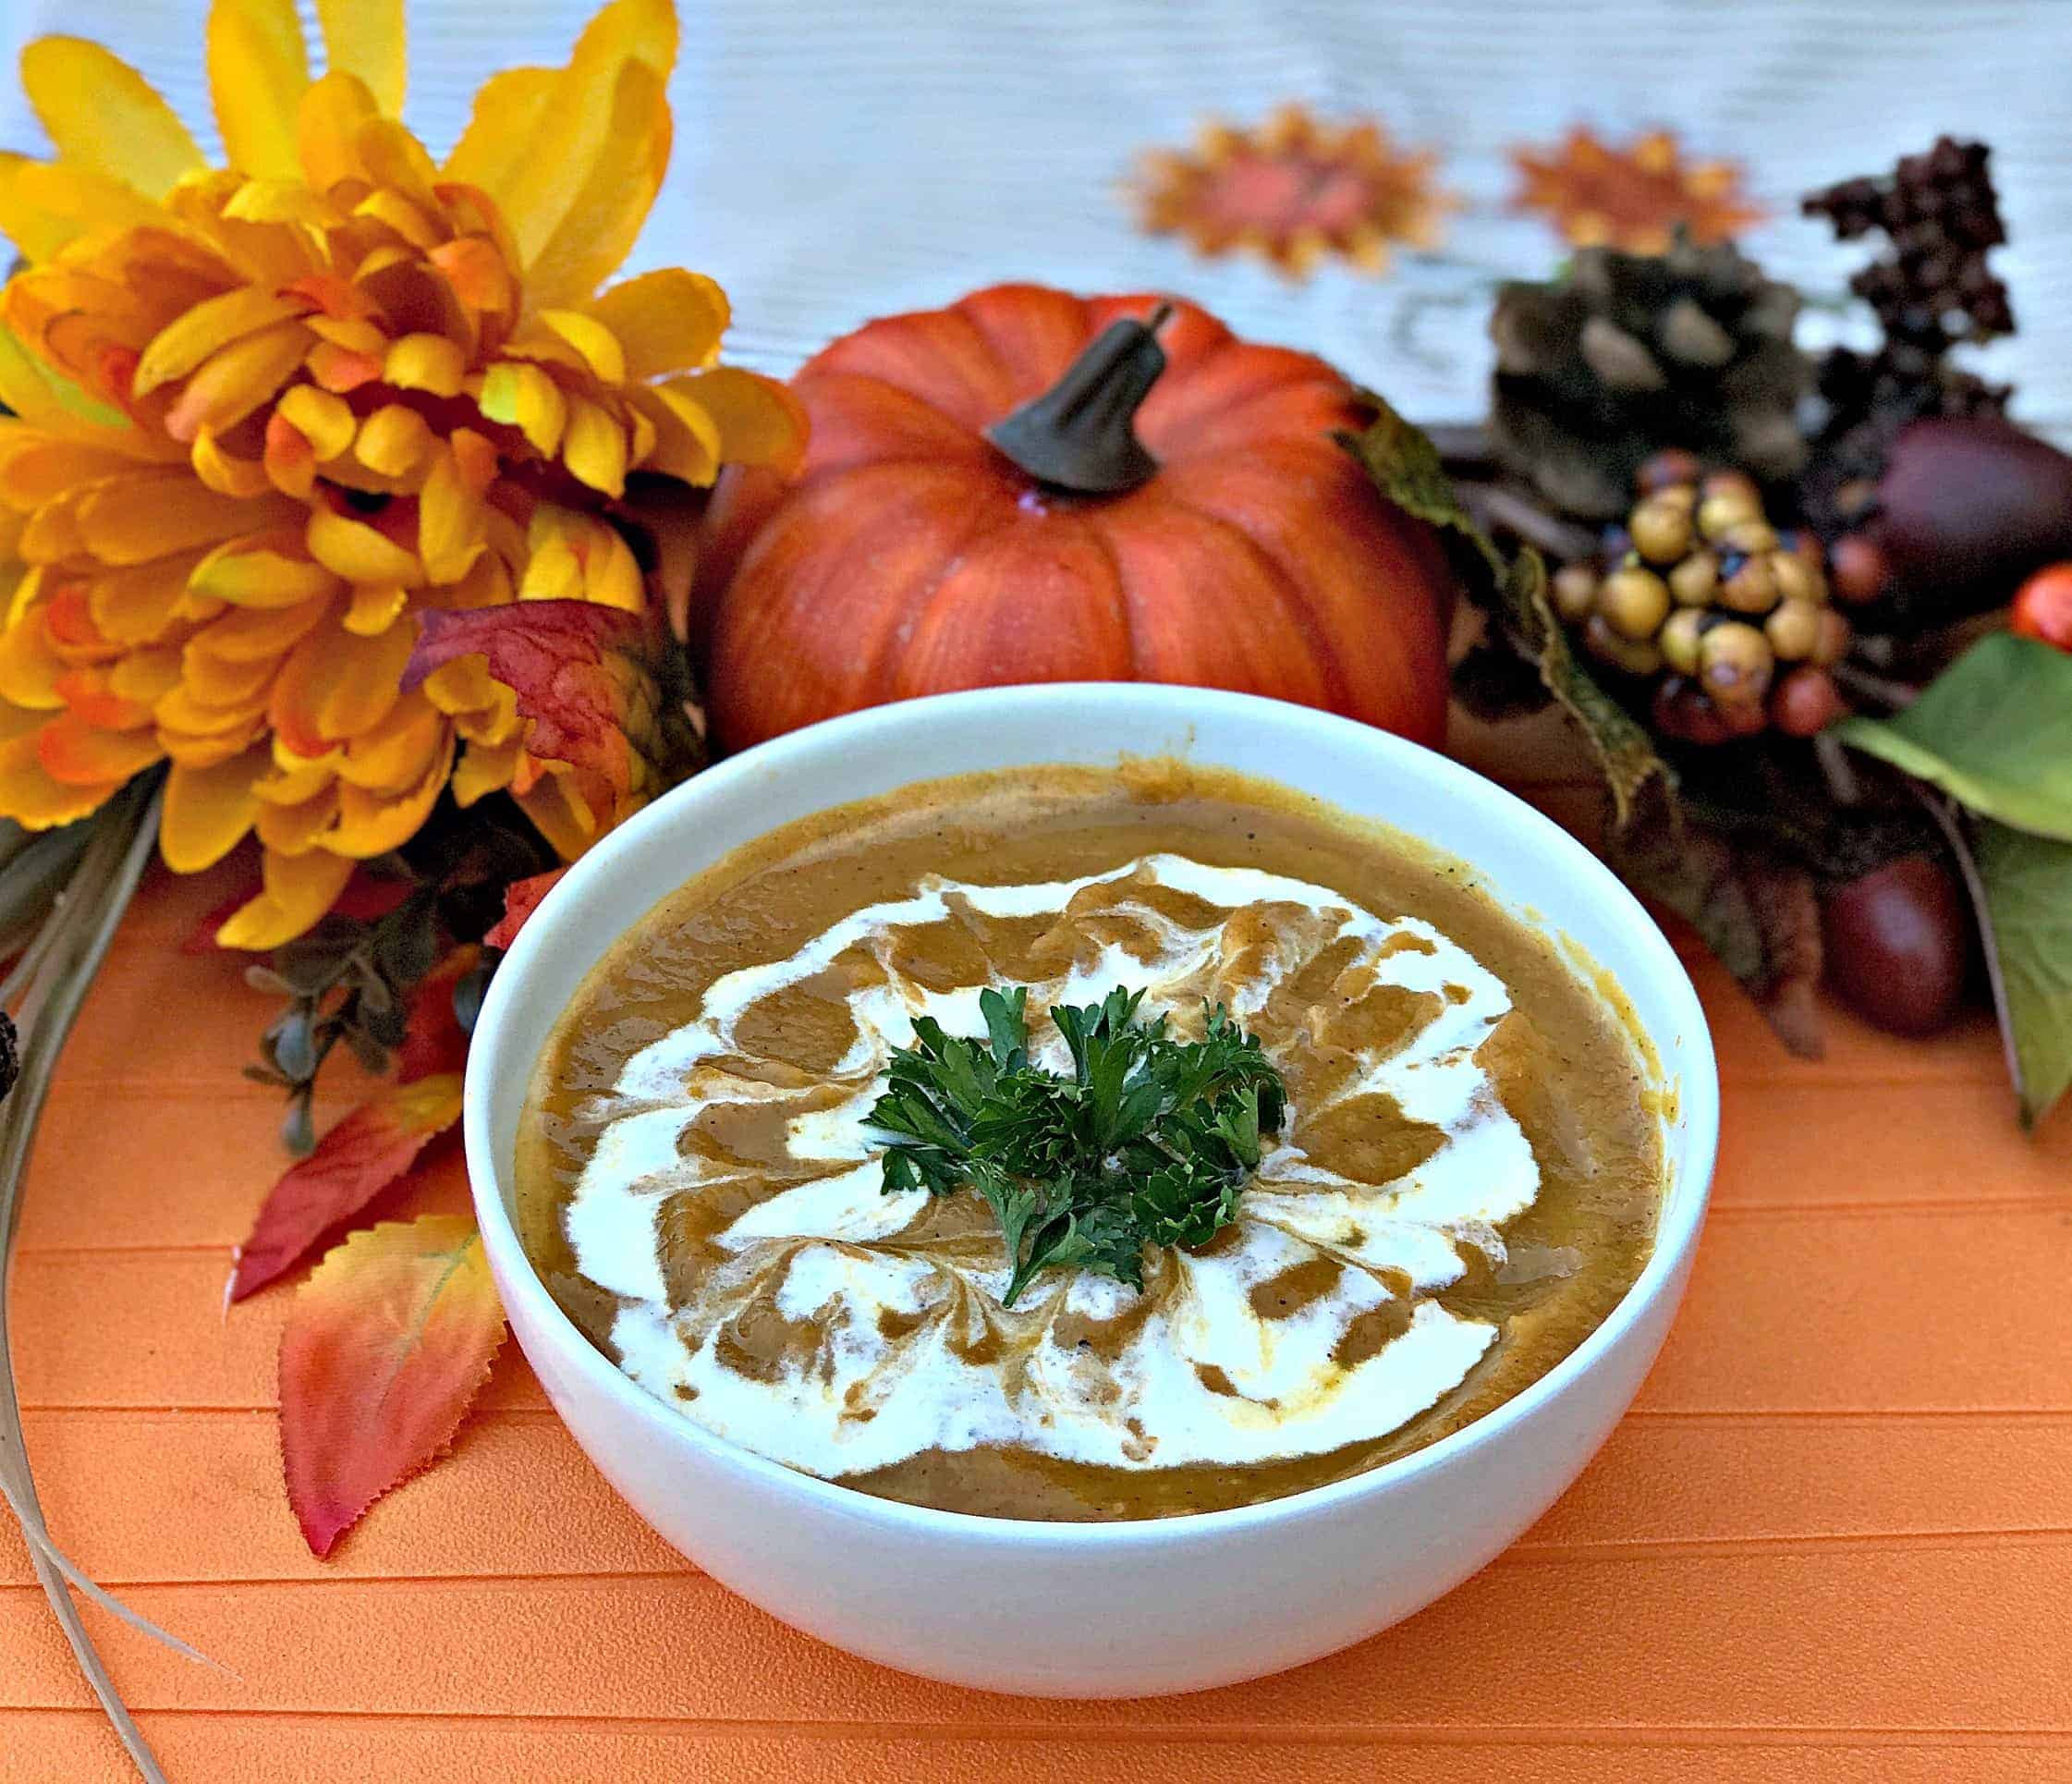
(1080, 434)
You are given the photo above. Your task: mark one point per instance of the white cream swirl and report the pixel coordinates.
(1311, 1326)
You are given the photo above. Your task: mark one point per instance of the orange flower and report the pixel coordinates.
(269, 415)
(1633, 199)
(1294, 191)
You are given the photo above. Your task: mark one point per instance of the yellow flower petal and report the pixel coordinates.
(262, 570)
(594, 448)
(212, 680)
(365, 38)
(395, 755)
(225, 472)
(685, 443)
(355, 551)
(103, 116)
(372, 824)
(37, 467)
(502, 127)
(554, 573)
(590, 338)
(234, 382)
(670, 321)
(760, 421)
(247, 634)
(484, 768)
(31, 798)
(181, 346)
(336, 684)
(429, 363)
(325, 421)
(282, 201)
(327, 126)
(299, 889)
(450, 520)
(28, 666)
(374, 607)
(136, 605)
(179, 713)
(258, 71)
(145, 676)
(605, 219)
(395, 159)
(152, 515)
(304, 780)
(393, 441)
(538, 187)
(291, 829)
(463, 685)
(208, 811)
(45, 206)
(525, 398)
(560, 814)
(79, 754)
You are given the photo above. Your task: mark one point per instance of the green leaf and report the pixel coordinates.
(1994, 731)
(2029, 894)
(1407, 469)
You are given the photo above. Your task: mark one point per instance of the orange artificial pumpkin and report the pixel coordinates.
(955, 526)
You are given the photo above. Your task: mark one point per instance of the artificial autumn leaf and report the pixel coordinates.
(1756, 911)
(385, 1348)
(433, 1041)
(553, 656)
(1634, 198)
(1406, 468)
(521, 898)
(1294, 191)
(365, 1152)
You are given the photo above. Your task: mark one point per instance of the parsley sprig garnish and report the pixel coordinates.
(1150, 1142)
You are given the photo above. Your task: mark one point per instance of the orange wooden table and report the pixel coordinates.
(1833, 1541)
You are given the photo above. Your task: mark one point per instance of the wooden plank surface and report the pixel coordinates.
(1832, 1542)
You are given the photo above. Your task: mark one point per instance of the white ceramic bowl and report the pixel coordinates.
(1092, 1609)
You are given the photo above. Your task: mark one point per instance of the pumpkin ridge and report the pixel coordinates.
(908, 613)
(1293, 600)
(1090, 521)
(1314, 371)
(953, 385)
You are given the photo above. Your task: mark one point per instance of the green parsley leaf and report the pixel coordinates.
(1150, 1140)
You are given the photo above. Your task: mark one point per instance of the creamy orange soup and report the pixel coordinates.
(1467, 1181)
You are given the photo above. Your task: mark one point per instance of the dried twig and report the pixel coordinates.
(46, 988)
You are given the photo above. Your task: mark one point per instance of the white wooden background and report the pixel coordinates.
(836, 160)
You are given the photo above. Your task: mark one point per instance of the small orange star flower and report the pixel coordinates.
(1633, 199)
(1294, 191)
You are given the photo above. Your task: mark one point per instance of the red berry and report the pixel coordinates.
(2043, 608)
(1805, 702)
(1856, 568)
(1898, 942)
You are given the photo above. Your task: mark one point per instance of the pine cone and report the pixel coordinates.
(1629, 354)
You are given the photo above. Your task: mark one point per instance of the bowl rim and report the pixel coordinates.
(1696, 1076)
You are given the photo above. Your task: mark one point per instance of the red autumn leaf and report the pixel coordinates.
(385, 1348)
(551, 654)
(433, 1039)
(357, 1159)
(521, 898)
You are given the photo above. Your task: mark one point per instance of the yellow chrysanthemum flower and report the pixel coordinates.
(267, 416)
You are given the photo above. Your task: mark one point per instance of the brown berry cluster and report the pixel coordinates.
(1932, 289)
(1730, 617)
